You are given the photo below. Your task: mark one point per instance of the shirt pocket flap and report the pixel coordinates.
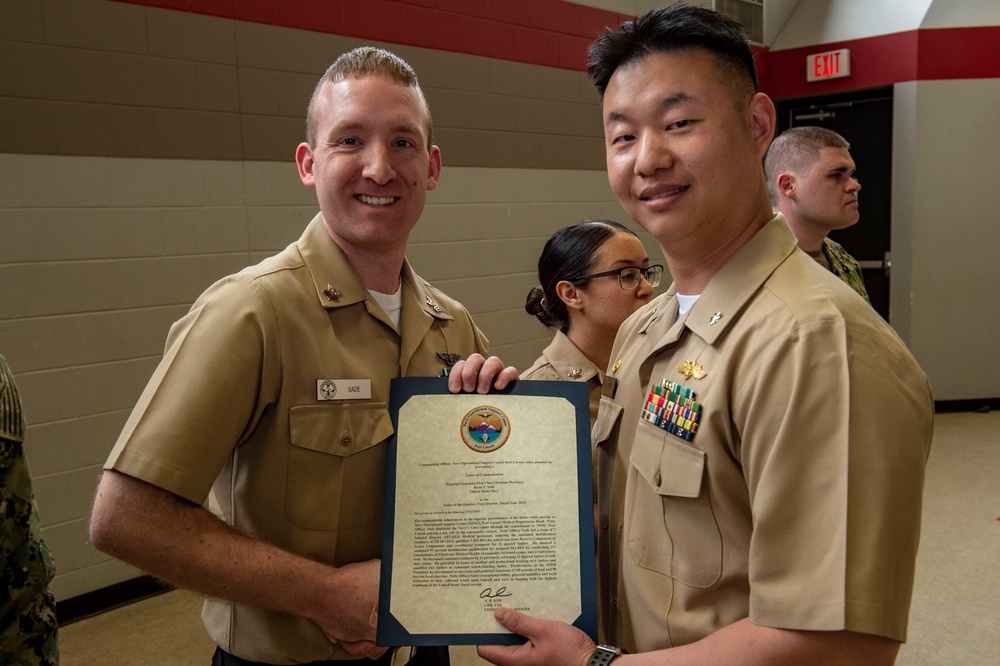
(607, 418)
(340, 430)
(669, 467)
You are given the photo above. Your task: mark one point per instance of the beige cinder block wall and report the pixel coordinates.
(145, 153)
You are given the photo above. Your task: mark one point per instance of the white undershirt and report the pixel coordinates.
(392, 304)
(685, 303)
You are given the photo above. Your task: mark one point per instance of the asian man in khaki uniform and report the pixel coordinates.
(763, 433)
(271, 399)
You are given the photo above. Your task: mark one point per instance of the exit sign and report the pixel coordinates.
(829, 65)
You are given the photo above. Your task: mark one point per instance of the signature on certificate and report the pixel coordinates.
(488, 593)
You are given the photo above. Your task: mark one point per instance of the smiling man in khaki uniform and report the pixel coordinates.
(273, 392)
(763, 433)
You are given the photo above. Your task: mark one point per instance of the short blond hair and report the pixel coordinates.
(362, 62)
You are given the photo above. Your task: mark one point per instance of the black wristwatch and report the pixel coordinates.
(604, 654)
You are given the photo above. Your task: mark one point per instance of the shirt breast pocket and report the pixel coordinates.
(336, 465)
(672, 527)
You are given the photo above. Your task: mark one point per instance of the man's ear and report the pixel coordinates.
(763, 119)
(569, 294)
(304, 160)
(786, 184)
(433, 168)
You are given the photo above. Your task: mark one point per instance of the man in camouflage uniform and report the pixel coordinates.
(28, 630)
(810, 180)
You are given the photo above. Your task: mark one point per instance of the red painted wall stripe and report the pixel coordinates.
(916, 55)
(553, 33)
(556, 33)
(959, 53)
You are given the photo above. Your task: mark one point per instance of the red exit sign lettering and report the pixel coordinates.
(829, 65)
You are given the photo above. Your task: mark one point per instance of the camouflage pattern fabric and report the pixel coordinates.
(28, 630)
(845, 267)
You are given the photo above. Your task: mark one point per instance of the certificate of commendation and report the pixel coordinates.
(488, 502)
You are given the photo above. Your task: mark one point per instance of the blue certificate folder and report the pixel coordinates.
(391, 630)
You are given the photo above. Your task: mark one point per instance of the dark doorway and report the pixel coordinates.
(864, 118)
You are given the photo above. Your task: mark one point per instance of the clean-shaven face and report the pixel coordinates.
(371, 166)
(826, 197)
(680, 148)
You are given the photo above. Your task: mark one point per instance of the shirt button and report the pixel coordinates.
(345, 439)
(656, 479)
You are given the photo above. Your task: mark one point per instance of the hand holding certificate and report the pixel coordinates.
(488, 503)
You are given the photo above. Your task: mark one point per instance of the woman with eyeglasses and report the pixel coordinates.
(593, 275)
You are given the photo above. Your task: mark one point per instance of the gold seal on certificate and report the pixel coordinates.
(485, 429)
(488, 503)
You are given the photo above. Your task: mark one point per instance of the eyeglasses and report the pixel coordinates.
(628, 277)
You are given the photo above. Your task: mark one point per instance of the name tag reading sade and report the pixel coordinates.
(343, 389)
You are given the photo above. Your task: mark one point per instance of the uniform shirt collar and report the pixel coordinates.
(336, 283)
(740, 278)
(727, 292)
(564, 357)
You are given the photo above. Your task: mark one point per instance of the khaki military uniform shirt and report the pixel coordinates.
(234, 407)
(563, 361)
(797, 501)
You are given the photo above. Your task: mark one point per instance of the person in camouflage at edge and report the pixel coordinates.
(28, 629)
(811, 181)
